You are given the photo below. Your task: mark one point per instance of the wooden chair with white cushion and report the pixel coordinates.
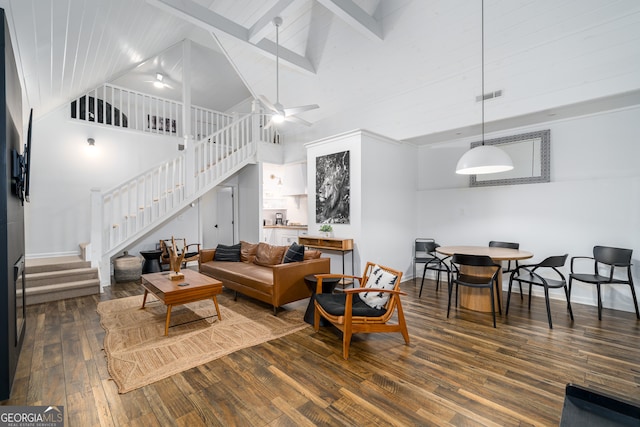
(366, 308)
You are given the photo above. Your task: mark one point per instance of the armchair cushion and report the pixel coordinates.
(295, 253)
(227, 253)
(379, 279)
(335, 304)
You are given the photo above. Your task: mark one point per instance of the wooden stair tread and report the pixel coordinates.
(62, 286)
(62, 264)
(58, 273)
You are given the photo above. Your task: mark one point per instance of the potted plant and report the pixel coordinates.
(326, 230)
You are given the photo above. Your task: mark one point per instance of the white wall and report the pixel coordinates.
(184, 225)
(593, 199)
(388, 201)
(350, 141)
(63, 172)
(249, 203)
(383, 189)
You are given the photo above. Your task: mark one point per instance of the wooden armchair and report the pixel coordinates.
(191, 251)
(364, 309)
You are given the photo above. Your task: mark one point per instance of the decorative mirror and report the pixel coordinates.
(530, 153)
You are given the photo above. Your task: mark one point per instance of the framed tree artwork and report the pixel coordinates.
(333, 191)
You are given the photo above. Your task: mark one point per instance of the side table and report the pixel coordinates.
(151, 261)
(328, 285)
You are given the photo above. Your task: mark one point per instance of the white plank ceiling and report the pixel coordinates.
(405, 69)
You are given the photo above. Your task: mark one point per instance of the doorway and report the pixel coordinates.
(218, 217)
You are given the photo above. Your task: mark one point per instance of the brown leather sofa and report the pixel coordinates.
(262, 275)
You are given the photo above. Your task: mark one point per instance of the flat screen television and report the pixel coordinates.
(27, 159)
(21, 167)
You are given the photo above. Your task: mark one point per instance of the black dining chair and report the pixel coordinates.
(610, 259)
(508, 245)
(532, 274)
(464, 279)
(420, 253)
(434, 263)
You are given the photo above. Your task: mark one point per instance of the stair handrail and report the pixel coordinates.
(142, 174)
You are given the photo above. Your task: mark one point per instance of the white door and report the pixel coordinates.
(217, 217)
(225, 214)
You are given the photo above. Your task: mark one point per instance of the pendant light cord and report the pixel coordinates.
(278, 64)
(482, 73)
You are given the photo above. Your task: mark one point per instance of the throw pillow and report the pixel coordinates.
(378, 279)
(295, 253)
(312, 254)
(248, 251)
(269, 255)
(227, 253)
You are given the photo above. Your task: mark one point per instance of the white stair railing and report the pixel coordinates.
(130, 210)
(117, 106)
(219, 154)
(138, 203)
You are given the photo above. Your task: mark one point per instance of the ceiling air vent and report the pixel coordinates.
(489, 95)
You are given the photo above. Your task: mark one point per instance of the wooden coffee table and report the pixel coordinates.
(194, 287)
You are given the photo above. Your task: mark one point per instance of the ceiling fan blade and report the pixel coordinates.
(298, 120)
(268, 103)
(300, 109)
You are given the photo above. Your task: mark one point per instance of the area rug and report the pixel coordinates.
(138, 352)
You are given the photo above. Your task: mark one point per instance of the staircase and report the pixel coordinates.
(53, 279)
(128, 212)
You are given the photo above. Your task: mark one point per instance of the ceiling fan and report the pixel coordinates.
(279, 113)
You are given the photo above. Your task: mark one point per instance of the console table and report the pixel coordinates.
(329, 244)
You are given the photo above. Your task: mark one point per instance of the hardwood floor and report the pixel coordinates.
(458, 371)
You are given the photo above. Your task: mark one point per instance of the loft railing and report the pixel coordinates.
(117, 106)
(128, 211)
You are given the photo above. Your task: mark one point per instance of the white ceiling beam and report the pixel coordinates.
(353, 15)
(264, 25)
(211, 21)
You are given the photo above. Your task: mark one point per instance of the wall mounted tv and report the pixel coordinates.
(21, 167)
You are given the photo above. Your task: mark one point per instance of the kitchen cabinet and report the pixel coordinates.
(295, 179)
(283, 236)
(268, 235)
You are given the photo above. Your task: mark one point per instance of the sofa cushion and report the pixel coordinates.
(250, 275)
(295, 253)
(312, 254)
(268, 255)
(378, 279)
(248, 251)
(227, 253)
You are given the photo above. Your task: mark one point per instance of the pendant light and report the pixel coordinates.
(483, 158)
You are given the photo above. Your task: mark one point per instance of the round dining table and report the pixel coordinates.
(477, 298)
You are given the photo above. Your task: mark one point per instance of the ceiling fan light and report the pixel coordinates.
(158, 84)
(484, 159)
(277, 118)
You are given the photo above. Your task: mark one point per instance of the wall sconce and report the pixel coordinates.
(276, 177)
(91, 142)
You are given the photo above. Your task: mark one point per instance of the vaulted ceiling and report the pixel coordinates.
(406, 69)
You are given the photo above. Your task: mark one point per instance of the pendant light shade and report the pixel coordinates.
(484, 159)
